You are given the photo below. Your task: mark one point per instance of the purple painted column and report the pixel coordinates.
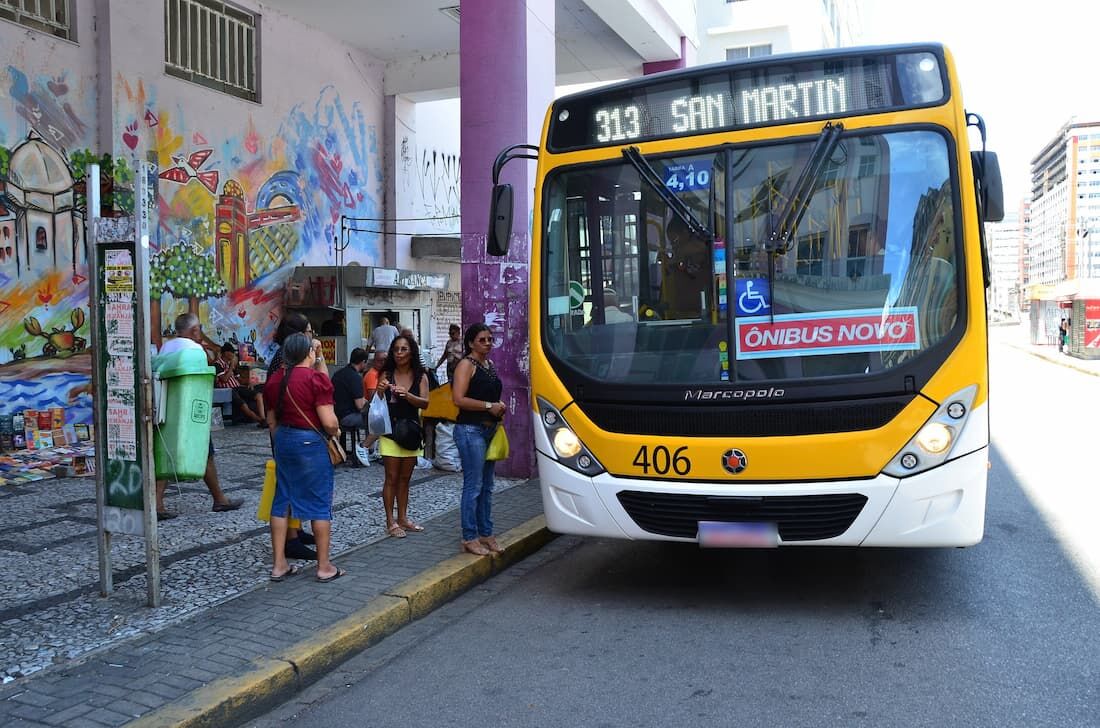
(506, 82)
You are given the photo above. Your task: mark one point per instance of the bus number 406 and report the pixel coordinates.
(662, 461)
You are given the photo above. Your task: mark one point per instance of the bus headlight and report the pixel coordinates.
(932, 444)
(566, 444)
(568, 448)
(935, 438)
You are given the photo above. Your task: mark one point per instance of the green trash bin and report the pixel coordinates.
(182, 441)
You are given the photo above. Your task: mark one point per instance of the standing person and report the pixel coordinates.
(348, 395)
(383, 335)
(476, 391)
(404, 383)
(300, 413)
(452, 351)
(297, 541)
(1061, 335)
(189, 336)
(370, 384)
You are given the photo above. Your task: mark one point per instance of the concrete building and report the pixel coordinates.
(736, 29)
(295, 149)
(1064, 224)
(1004, 241)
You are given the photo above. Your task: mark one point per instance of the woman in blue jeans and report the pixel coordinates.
(476, 391)
(300, 415)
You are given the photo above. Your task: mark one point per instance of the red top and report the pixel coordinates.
(308, 388)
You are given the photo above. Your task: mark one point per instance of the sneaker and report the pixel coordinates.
(230, 505)
(297, 550)
(362, 454)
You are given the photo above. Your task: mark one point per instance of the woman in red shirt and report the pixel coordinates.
(299, 412)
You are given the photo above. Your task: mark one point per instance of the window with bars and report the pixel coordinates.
(48, 16)
(213, 44)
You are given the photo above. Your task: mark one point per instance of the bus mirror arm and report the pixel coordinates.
(501, 202)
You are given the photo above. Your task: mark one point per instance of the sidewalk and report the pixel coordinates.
(226, 642)
(1016, 336)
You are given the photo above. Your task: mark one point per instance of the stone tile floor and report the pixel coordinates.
(50, 608)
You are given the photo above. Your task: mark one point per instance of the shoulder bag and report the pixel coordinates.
(336, 452)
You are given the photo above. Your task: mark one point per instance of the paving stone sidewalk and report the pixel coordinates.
(71, 657)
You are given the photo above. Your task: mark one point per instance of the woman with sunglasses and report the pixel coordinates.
(476, 391)
(404, 383)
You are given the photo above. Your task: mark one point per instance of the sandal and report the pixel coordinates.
(293, 570)
(490, 542)
(474, 547)
(412, 526)
(396, 531)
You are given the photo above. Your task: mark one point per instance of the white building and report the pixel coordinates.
(1003, 240)
(1064, 241)
(736, 29)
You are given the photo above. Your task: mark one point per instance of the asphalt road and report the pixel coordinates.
(609, 633)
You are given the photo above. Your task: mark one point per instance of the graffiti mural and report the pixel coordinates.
(44, 134)
(240, 202)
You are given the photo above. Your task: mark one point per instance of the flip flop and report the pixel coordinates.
(334, 577)
(411, 526)
(293, 570)
(396, 531)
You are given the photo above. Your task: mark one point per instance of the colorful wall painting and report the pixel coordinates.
(241, 201)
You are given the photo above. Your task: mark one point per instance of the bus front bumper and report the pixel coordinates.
(944, 506)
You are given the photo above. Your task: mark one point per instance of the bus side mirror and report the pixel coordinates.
(986, 165)
(500, 220)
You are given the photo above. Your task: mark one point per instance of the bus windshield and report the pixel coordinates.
(868, 280)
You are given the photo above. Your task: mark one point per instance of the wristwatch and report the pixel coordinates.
(488, 405)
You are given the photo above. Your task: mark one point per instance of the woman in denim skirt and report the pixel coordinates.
(476, 391)
(300, 414)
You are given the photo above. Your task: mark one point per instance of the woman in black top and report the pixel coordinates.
(404, 384)
(476, 391)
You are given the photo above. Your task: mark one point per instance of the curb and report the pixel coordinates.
(270, 681)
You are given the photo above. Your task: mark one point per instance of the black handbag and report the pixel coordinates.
(407, 433)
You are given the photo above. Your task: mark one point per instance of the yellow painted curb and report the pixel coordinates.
(218, 703)
(232, 700)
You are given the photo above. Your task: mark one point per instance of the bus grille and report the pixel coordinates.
(799, 517)
(744, 421)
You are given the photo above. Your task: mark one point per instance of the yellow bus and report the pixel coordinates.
(757, 303)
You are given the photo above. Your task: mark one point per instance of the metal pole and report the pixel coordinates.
(99, 386)
(145, 205)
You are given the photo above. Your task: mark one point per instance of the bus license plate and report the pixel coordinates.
(726, 535)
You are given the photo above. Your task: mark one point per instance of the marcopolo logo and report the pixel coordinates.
(700, 395)
(734, 461)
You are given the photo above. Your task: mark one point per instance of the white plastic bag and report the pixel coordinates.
(446, 451)
(378, 417)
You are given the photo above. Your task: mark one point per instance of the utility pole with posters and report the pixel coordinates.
(122, 376)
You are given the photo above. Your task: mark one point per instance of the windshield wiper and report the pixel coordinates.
(790, 215)
(678, 207)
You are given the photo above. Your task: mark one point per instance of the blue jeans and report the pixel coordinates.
(477, 479)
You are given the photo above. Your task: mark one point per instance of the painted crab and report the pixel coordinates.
(61, 343)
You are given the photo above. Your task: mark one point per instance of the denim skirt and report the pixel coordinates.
(303, 475)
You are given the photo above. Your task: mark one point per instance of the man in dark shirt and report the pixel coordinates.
(347, 395)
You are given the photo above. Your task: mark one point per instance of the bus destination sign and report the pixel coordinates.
(747, 96)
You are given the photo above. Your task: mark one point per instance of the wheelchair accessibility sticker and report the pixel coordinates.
(753, 296)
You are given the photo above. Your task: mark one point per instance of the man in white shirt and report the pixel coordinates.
(612, 314)
(383, 335)
(189, 336)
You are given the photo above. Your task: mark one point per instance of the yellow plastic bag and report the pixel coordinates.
(263, 511)
(498, 446)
